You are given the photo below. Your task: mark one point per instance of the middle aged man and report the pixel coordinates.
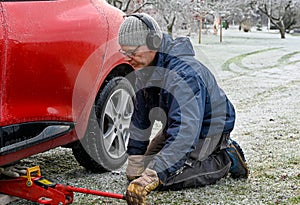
(194, 147)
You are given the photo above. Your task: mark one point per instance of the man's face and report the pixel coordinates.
(138, 56)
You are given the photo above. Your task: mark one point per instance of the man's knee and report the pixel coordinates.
(200, 173)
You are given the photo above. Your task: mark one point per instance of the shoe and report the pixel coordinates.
(239, 167)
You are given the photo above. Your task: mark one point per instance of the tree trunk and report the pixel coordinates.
(282, 29)
(282, 33)
(170, 30)
(170, 26)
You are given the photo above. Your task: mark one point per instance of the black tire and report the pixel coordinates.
(104, 146)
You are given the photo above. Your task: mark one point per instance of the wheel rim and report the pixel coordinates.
(117, 116)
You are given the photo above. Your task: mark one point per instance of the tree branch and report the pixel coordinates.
(141, 6)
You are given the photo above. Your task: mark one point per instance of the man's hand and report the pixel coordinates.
(13, 171)
(139, 188)
(135, 167)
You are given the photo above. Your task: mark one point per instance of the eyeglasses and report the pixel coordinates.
(130, 53)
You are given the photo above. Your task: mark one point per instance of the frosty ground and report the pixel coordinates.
(261, 75)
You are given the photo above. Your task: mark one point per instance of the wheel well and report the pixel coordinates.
(120, 70)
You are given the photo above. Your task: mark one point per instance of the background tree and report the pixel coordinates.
(173, 14)
(131, 6)
(282, 13)
(165, 11)
(241, 13)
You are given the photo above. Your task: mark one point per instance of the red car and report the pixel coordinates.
(62, 81)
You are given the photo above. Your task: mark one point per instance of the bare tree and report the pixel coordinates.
(170, 11)
(282, 13)
(242, 13)
(130, 6)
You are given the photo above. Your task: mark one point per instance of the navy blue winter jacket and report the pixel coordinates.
(183, 94)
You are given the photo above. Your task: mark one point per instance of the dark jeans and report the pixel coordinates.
(208, 163)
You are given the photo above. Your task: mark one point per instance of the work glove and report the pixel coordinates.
(13, 171)
(135, 167)
(139, 188)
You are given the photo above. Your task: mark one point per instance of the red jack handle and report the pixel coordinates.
(94, 192)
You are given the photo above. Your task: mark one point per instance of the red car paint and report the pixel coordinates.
(55, 55)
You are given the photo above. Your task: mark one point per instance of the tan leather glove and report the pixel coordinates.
(13, 171)
(139, 188)
(135, 167)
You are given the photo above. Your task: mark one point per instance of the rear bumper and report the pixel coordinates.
(20, 136)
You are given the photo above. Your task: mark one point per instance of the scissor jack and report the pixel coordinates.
(34, 187)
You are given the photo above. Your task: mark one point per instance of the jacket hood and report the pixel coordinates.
(180, 46)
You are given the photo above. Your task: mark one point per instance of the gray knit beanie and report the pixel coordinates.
(133, 31)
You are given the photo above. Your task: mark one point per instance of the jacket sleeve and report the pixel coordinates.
(186, 95)
(140, 126)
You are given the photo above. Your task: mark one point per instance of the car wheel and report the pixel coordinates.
(104, 146)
